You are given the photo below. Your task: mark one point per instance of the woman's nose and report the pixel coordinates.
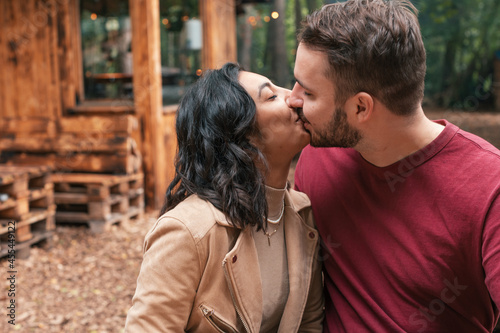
(286, 96)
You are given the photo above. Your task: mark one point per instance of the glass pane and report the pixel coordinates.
(106, 47)
(181, 43)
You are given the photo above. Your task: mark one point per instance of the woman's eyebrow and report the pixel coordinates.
(264, 85)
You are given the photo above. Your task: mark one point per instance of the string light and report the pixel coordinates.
(93, 16)
(275, 15)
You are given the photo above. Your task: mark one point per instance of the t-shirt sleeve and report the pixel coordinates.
(491, 251)
(297, 178)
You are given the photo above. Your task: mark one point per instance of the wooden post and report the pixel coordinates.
(70, 53)
(145, 19)
(219, 32)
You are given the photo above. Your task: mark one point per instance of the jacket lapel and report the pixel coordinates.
(242, 272)
(300, 253)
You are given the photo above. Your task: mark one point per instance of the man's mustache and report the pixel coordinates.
(300, 113)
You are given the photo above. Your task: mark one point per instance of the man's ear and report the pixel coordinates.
(362, 104)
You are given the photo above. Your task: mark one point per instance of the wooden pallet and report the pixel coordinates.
(15, 179)
(36, 228)
(99, 200)
(24, 190)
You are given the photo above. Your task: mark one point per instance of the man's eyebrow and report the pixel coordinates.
(301, 84)
(264, 85)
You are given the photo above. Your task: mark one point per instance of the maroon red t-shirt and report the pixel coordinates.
(411, 247)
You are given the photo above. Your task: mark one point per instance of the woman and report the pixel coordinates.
(234, 249)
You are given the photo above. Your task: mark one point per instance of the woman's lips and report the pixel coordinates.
(301, 115)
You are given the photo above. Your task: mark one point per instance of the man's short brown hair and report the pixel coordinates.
(374, 46)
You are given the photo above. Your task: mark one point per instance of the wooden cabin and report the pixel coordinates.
(56, 105)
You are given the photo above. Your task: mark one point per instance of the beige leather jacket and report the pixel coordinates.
(200, 274)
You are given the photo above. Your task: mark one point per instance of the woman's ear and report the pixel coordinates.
(362, 104)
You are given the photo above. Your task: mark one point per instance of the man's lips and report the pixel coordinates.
(301, 115)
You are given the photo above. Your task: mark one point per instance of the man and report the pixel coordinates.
(408, 208)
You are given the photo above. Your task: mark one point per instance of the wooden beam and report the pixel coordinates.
(98, 124)
(27, 126)
(69, 143)
(219, 32)
(145, 18)
(170, 139)
(76, 162)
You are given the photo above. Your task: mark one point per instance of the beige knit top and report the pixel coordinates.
(273, 262)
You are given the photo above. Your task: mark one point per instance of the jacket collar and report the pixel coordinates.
(292, 199)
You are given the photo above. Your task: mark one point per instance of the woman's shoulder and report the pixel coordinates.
(195, 215)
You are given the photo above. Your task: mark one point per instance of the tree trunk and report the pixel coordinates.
(245, 49)
(312, 5)
(277, 55)
(298, 19)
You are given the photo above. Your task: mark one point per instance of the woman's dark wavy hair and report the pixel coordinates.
(215, 158)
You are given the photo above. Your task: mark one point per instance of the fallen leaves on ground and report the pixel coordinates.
(84, 282)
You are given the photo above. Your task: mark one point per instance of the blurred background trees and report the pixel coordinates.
(462, 40)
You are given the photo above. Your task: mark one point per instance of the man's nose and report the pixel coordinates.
(294, 100)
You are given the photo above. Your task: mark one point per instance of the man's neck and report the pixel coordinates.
(397, 137)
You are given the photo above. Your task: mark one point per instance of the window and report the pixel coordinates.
(181, 43)
(106, 49)
(107, 52)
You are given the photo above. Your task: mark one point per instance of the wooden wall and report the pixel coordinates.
(30, 82)
(42, 79)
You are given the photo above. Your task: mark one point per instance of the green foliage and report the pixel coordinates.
(260, 30)
(460, 36)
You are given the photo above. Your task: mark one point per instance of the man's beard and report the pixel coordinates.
(339, 133)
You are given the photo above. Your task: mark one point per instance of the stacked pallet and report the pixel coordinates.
(98, 200)
(26, 208)
(98, 144)
(95, 160)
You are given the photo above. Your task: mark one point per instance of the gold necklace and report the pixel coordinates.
(278, 220)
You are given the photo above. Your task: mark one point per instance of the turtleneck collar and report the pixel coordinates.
(275, 201)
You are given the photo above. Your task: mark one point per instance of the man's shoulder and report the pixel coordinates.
(479, 145)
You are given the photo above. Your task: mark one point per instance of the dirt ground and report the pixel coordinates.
(85, 282)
